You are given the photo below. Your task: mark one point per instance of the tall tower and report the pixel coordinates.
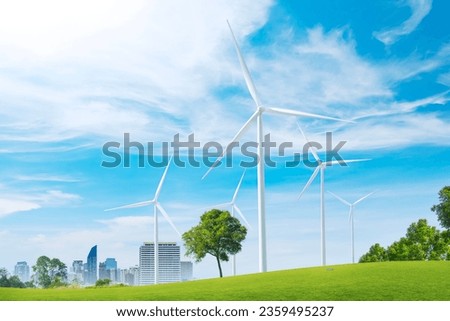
(91, 266)
(22, 270)
(169, 263)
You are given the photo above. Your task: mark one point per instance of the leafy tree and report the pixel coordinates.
(376, 253)
(443, 208)
(218, 234)
(7, 281)
(103, 282)
(422, 242)
(50, 272)
(14, 282)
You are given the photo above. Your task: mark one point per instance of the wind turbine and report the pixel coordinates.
(321, 166)
(257, 116)
(156, 206)
(234, 207)
(350, 217)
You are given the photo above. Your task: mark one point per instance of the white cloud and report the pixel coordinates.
(96, 71)
(419, 8)
(14, 202)
(10, 206)
(47, 178)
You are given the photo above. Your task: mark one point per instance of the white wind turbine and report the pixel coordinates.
(350, 217)
(156, 206)
(234, 207)
(321, 166)
(257, 116)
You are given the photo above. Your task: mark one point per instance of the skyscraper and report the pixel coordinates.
(111, 263)
(77, 272)
(108, 270)
(169, 263)
(22, 270)
(186, 270)
(91, 266)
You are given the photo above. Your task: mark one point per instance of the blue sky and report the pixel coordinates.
(74, 76)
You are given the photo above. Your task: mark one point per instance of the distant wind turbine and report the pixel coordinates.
(234, 207)
(257, 116)
(321, 166)
(350, 217)
(156, 206)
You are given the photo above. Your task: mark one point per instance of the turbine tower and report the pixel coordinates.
(156, 207)
(350, 217)
(321, 166)
(257, 116)
(234, 207)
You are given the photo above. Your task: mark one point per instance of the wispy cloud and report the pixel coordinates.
(91, 76)
(419, 8)
(14, 202)
(9, 206)
(47, 178)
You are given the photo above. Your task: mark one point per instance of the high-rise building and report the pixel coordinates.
(102, 272)
(169, 263)
(22, 270)
(77, 266)
(91, 267)
(111, 263)
(109, 270)
(76, 274)
(187, 270)
(131, 276)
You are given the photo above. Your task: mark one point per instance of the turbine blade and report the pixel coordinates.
(242, 216)
(363, 198)
(350, 214)
(237, 188)
(161, 181)
(140, 204)
(314, 174)
(248, 78)
(221, 205)
(168, 219)
(235, 139)
(284, 111)
(340, 199)
(311, 148)
(345, 161)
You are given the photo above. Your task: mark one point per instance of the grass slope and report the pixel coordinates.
(402, 281)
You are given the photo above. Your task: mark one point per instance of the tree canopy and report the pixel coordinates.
(421, 242)
(218, 234)
(12, 281)
(442, 209)
(50, 272)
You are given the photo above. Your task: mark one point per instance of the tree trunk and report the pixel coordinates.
(220, 268)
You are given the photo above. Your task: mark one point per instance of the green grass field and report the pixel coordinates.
(402, 281)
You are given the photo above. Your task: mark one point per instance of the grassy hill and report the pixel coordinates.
(370, 281)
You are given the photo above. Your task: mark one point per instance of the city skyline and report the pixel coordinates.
(163, 70)
(80, 273)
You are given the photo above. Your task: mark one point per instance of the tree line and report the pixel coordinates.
(422, 242)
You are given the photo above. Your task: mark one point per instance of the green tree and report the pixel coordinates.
(50, 272)
(7, 281)
(443, 208)
(14, 282)
(4, 282)
(376, 253)
(103, 282)
(422, 242)
(218, 234)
